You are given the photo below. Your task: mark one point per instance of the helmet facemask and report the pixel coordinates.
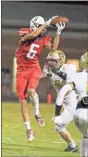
(52, 62)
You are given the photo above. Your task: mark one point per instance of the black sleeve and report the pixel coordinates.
(57, 110)
(60, 74)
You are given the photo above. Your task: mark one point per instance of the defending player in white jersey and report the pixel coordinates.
(55, 68)
(78, 83)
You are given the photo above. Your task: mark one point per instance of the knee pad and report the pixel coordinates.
(59, 124)
(59, 128)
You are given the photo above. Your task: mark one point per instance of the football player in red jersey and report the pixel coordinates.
(32, 41)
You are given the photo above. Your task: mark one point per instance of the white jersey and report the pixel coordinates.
(80, 80)
(57, 81)
(70, 101)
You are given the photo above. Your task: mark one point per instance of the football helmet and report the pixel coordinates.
(36, 22)
(83, 62)
(56, 59)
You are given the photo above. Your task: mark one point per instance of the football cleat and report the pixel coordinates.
(30, 135)
(71, 149)
(40, 120)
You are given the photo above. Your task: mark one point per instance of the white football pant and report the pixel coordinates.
(70, 103)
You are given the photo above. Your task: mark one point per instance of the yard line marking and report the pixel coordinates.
(17, 155)
(21, 155)
(20, 140)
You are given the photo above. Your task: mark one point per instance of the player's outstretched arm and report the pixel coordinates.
(60, 26)
(66, 89)
(36, 32)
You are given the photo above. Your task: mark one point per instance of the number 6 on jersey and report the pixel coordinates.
(31, 54)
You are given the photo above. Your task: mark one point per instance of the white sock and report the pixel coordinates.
(27, 125)
(35, 103)
(72, 144)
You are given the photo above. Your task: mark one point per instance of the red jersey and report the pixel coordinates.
(28, 51)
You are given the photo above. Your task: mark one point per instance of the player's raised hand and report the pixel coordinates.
(60, 26)
(55, 119)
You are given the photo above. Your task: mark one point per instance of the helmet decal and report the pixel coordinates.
(36, 22)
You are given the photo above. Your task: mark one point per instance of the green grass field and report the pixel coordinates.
(46, 143)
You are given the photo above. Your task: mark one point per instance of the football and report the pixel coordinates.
(59, 19)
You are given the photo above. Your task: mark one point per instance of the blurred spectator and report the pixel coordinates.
(6, 81)
(2, 77)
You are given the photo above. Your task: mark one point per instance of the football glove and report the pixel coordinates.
(57, 119)
(60, 26)
(49, 21)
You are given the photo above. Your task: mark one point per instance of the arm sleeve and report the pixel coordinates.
(64, 91)
(61, 74)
